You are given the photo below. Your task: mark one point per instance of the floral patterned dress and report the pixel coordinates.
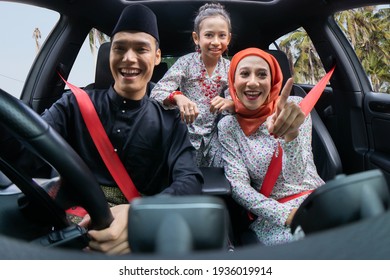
(188, 74)
(246, 162)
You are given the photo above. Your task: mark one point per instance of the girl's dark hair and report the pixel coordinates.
(211, 10)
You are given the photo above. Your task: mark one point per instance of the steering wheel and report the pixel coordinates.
(80, 184)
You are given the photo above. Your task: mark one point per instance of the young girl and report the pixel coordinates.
(197, 82)
(262, 122)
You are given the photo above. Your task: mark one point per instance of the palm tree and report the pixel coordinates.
(37, 35)
(96, 38)
(301, 52)
(368, 31)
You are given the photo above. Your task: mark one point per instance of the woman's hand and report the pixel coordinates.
(114, 239)
(291, 217)
(220, 104)
(287, 119)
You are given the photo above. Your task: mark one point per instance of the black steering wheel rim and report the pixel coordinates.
(81, 185)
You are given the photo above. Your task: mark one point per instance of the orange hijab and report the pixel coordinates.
(250, 120)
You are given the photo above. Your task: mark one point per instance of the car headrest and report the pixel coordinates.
(159, 71)
(177, 224)
(103, 76)
(284, 63)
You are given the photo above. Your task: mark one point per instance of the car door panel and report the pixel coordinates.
(377, 114)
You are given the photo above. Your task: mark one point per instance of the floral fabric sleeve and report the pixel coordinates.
(170, 82)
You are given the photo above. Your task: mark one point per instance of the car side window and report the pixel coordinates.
(305, 62)
(24, 29)
(84, 67)
(367, 29)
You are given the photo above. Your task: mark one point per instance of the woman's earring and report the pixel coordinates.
(197, 48)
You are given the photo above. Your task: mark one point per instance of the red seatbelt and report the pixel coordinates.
(293, 196)
(273, 172)
(103, 144)
(307, 104)
(275, 166)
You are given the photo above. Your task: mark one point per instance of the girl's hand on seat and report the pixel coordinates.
(220, 104)
(188, 109)
(291, 217)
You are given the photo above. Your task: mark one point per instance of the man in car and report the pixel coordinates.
(151, 142)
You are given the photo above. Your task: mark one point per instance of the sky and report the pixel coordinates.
(18, 49)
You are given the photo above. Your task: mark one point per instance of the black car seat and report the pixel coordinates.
(103, 76)
(326, 156)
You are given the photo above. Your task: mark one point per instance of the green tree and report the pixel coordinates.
(368, 31)
(366, 28)
(96, 38)
(301, 53)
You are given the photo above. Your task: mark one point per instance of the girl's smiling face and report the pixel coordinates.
(213, 38)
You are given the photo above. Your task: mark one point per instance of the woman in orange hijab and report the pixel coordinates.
(266, 125)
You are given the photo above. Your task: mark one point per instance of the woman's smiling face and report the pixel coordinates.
(252, 81)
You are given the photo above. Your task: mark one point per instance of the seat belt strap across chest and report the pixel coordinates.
(103, 143)
(307, 104)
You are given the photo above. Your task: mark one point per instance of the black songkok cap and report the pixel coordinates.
(137, 17)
